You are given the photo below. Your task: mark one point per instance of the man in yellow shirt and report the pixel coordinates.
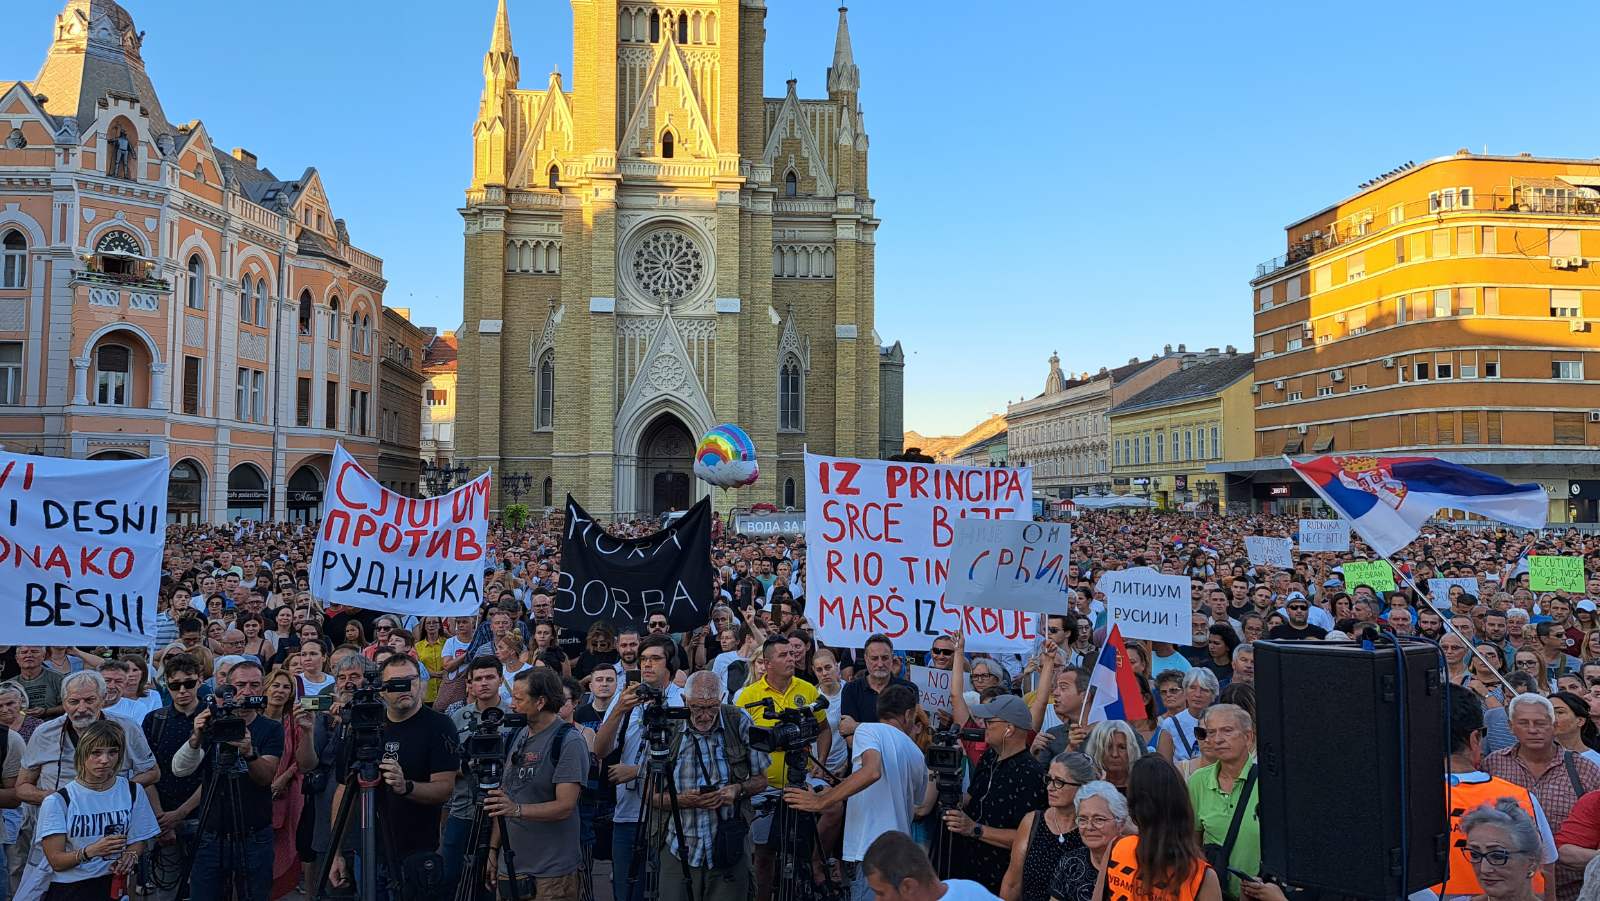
(786, 693)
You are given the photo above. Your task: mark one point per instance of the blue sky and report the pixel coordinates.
(1050, 177)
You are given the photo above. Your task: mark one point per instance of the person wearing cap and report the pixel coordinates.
(1299, 627)
(1007, 785)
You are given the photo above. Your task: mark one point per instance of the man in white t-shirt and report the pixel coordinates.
(888, 782)
(899, 870)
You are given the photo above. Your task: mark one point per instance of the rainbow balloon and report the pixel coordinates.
(726, 457)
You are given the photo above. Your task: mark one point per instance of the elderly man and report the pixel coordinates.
(1555, 775)
(714, 770)
(1225, 792)
(41, 684)
(48, 761)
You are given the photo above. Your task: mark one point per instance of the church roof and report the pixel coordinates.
(96, 52)
(1200, 380)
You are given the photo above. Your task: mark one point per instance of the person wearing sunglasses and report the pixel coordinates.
(1299, 626)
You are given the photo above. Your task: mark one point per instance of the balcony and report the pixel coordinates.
(119, 280)
(138, 300)
(1524, 201)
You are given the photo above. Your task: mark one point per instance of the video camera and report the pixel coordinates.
(796, 727)
(483, 754)
(368, 715)
(945, 759)
(226, 725)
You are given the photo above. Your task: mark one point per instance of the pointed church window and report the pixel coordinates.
(655, 27)
(555, 176)
(683, 28)
(791, 184)
(544, 415)
(667, 145)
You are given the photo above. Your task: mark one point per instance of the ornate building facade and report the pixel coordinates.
(162, 296)
(661, 248)
(439, 397)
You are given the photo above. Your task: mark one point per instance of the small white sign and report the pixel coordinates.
(1439, 589)
(1147, 604)
(933, 687)
(1318, 536)
(1277, 552)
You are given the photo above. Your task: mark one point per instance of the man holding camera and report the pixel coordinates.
(225, 857)
(1008, 784)
(714, 770)
(778, 690)
(418, 774)
(483, 694)
(546, 765)
(167, 730)
(887, 782)
(626, 726)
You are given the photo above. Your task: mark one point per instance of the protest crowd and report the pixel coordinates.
(218, 762)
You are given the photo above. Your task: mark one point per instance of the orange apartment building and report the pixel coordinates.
(1448, 308)
(160, 296)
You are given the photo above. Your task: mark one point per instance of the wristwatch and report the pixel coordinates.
(977, 830)
(410, 787)
(252, 757)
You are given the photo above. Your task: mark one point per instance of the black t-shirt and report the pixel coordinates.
(1287, 631)
(859, 700)
(166, 730)
(255, 801)
(1000, 794)
(571, 642)
(426, 744)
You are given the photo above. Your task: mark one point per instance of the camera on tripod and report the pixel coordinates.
(367, 716)
(945, 759)
(796, 727)
(226, 724)
(483, 754)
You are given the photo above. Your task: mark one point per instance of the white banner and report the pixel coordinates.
(1439, 589)
(1010, 563)
(380, 550)
(81, 544)
(1148, 604)
(1277, 552)
(933, 687)
(1322, 536)
(878, 536)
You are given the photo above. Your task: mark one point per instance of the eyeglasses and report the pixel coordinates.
(977, 676)
(183, 684)
(1298, 607)
(654, 627)
(1053, 783)
(703, 708)
(1098, 821)
(1495, 857)
(941, 652)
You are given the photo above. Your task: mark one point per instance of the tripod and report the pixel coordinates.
(797, 838)
(477, 848)
(658, 781)
(226, 769)
(359, 785)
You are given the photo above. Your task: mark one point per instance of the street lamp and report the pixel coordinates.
(441, 478)
(515, 484)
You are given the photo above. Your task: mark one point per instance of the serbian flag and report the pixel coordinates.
(1387, 499)
(1113, 687)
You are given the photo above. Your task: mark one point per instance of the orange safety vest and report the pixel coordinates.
(1469, 796)
(1122, 875)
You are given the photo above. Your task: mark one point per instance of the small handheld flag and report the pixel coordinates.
(1113, 687)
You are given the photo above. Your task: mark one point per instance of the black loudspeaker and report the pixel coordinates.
(1331, 716)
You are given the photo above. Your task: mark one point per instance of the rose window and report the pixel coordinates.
(668, 265)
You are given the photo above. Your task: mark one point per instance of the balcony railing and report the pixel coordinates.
(111, 298)
(146, 284)
(1523, 201)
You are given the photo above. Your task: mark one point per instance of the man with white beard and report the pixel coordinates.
(47, 764)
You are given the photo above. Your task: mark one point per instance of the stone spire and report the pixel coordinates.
(843, 76)
(96, 51)
(500, 67)
(1055, 382)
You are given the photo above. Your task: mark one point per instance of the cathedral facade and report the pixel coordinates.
(658, 249)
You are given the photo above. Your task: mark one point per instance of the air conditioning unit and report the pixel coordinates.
(1594, 415)
(1278, 384)
(1301, 429)
(1338, 375)
(1576, 262)
(1388, 362)
(1576, 325)
(1566, 262)
(1310, 330)
(1255, 389)
(1339, 318)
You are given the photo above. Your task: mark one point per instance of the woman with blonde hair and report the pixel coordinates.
(1113, 746)
(94, 828)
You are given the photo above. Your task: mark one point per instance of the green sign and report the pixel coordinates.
(1556, 574)
(1377, 573)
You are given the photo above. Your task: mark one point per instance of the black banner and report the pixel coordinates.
(624, 580)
